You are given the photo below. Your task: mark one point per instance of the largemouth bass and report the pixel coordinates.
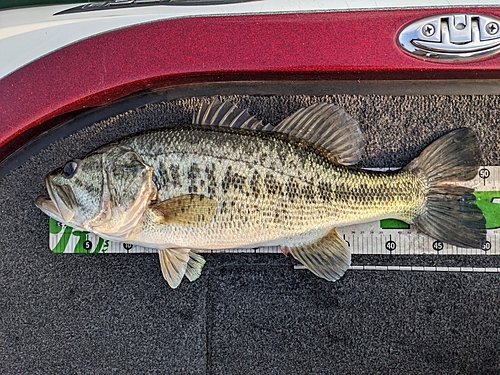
(228, 181)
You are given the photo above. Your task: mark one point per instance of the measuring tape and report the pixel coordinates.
(377, 238)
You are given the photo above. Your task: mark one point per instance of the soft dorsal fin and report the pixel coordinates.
(327, 126)
(229, 115)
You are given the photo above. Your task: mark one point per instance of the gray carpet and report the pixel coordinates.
(247, 314)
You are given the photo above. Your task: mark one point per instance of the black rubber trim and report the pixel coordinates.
(394, 88)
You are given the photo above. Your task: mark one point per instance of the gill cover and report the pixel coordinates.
(127, 188)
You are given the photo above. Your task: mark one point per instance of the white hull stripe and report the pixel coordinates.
(29, 33)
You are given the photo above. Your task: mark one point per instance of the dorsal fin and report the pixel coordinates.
(229, 115)
(328, 126)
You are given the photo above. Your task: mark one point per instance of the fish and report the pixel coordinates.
(228, 181)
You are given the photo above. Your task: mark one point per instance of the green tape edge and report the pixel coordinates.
(491, 211)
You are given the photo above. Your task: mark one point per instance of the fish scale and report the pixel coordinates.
(267, 203)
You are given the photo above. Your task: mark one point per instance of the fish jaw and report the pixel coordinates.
(63, 199)
(59, 203)
(48, 207)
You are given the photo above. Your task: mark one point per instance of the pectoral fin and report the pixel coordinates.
(174, 263)
(185, 209)
(329, 257)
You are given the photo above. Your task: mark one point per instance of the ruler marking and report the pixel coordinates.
(374, 245)
(416, 268)
(407, 242)
(495, 244)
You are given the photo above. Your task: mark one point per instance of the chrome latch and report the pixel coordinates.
(452, 37)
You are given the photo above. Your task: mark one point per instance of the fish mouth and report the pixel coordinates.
(46, 204)
(60, 202)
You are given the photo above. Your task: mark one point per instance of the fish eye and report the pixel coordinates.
(70, 169)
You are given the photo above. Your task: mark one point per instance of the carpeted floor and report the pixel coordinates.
(247, 314)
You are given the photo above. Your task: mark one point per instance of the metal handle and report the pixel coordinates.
(452, 37)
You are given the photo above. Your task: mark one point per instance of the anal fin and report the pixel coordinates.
(328, 258)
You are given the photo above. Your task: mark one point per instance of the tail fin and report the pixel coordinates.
(451, 214)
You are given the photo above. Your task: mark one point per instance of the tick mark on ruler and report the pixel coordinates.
(437, 245)
(416, 268)
(484, 173)
(390, 245)
(127, 246)
(486, 246)
(348, 244)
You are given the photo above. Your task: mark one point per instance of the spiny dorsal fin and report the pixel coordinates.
(174, 264)
(328, 126)
(185, 209)
(329, 257)
(227, 114)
